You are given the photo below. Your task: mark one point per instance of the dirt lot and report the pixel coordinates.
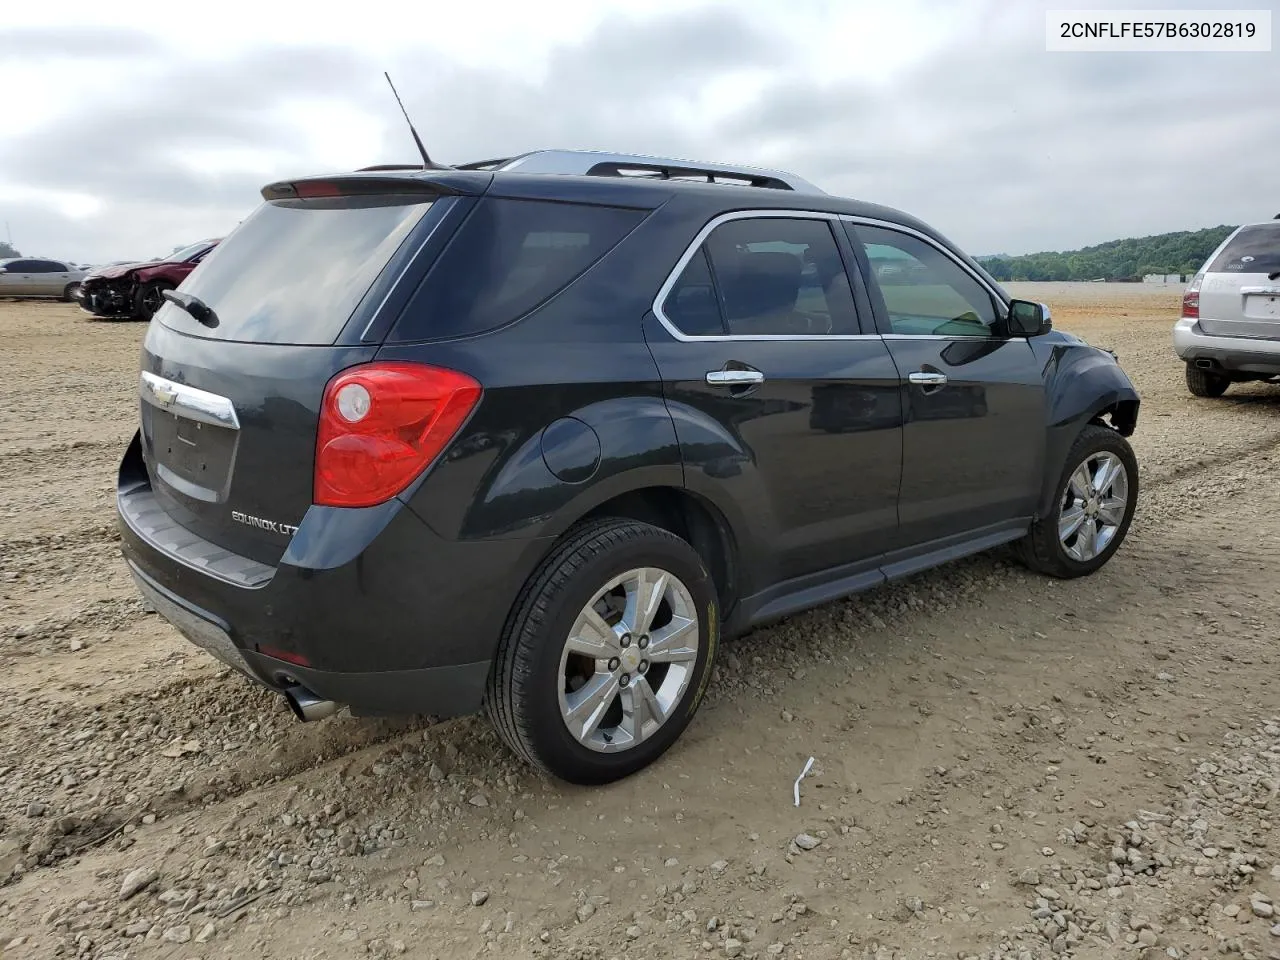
(1006, 766)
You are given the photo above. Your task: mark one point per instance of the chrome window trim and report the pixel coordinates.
(377, 311)
(190, 402)
(938, 336)
(792, 214)
(674, 276)
(1000, 295)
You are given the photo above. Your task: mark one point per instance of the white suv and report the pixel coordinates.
(1230, 326)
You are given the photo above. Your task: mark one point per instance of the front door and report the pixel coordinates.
(782, 405)
(16, 280)
(974, 437)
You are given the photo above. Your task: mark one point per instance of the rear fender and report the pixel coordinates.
(1083, 384)
(722, 471)
(577, 462)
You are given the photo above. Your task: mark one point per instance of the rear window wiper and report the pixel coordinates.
(1273, 276)
(193, 305)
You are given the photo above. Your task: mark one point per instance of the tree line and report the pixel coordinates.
(7, 252)
(1182, 252)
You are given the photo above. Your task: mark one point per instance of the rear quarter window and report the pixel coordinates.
(508, 258)
(1255, 249)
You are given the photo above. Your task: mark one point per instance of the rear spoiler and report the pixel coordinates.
(437, 183)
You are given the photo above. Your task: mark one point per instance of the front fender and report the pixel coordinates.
(1083, 384)
(168, 274)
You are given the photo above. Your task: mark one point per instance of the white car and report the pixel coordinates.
(1229, 331)
(36, 277)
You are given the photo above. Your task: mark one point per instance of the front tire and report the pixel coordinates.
(606, 654)
(149, 299)
(1202, 383)
(1097, 493)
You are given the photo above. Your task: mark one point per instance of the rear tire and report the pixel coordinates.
(149, 299)
(1086, 513)
(70, 292)
(571, 690)
(1202, 383)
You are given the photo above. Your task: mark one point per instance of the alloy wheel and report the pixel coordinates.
(1093, 506)
(628, 660)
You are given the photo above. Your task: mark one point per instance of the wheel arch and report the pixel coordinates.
(1084, 388)
(690, 517)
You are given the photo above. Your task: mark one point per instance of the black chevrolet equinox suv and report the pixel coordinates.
(531, 435)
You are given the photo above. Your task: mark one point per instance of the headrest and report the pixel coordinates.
(760, 283)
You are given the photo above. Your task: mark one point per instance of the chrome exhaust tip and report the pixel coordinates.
(306, 706)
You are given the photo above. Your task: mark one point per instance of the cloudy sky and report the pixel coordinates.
(124, 135)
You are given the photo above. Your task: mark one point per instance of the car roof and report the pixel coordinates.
(594, 177)
(626, 191)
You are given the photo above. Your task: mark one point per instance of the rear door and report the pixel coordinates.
(50, 279)
(759, 345)
(1240, 291)
(974, 438)
(230, 409)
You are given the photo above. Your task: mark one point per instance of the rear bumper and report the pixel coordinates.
(445, 691)
(1228, 354)
(368, 608)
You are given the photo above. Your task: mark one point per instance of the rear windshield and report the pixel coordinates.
(295, 270)
(506, 259)
(1254, 249)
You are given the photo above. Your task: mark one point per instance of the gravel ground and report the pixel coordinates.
(1006, 766)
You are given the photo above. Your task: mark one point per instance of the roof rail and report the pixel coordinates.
(484, 164)
(601, 164)
(593, 163)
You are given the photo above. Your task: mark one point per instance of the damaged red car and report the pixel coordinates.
(136, 290)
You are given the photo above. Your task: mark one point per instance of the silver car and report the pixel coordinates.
(1229, 331)
(32, 277)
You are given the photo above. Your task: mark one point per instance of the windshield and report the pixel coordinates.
(295, 270)
(186, 253)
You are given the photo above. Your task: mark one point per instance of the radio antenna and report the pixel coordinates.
(427, 163)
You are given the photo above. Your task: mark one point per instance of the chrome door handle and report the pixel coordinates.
(928, 379)
(734, 378)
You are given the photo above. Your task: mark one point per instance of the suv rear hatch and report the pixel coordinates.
(1238, 297)
(231, 401)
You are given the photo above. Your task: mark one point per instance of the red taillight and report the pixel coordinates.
(1191, 299)
(381, 424)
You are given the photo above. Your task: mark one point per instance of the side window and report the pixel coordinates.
(22, 266)
(693, 304)
(925, 292)
(506, 259)
(45, 266)
(765, 276)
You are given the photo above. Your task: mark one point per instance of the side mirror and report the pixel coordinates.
(4, 269)
(1028, 319)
